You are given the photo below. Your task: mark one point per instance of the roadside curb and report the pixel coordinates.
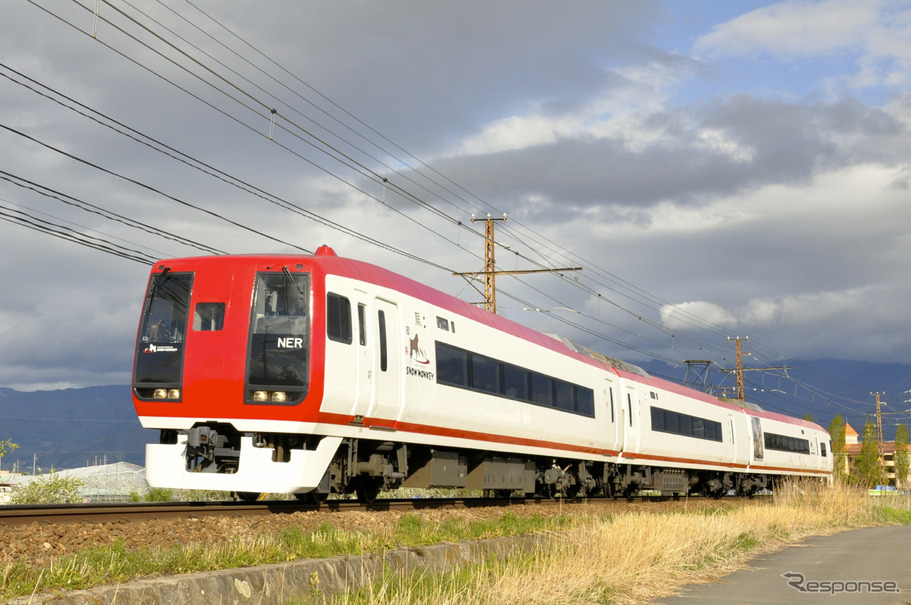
(278, 583)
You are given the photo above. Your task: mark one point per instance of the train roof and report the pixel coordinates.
(331, 264)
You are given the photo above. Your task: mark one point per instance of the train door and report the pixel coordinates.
(758, 439)
(388, 372)
(363, 389)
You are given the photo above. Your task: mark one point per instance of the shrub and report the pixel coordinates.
(48, 489)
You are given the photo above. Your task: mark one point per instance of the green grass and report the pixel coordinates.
(888, 515)
(116, 563)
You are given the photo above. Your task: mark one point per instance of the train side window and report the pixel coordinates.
(611, 391)
(384, 358)
(675, 423)
(822, 449)
(338, 318)
(629, 404)
(542, 389)
(565, 396)
(452, 365)
(485, 374)
(784, 443)
(362, 324)
(209, 317)
(585, 401)
(515, 382)
(657, 419)
(672, 422)
(686, 424)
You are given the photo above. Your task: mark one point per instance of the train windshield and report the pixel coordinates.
(160, 346)
(279, 338)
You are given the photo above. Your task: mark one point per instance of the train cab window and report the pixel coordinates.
(209, 317)
(822, 449)
(443, 323)
(166, 308)
(338, 318)
(279, 341)
(362, 324)
(164, 326)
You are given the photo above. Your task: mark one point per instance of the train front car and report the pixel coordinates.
(224, 369)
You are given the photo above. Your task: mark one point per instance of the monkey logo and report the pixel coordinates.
(415, 352)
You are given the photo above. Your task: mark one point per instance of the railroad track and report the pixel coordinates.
(140, 511)
(78, 513)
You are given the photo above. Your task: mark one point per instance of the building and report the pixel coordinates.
(852, 449)
(104, 483)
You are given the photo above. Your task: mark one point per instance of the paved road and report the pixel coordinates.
(871, 565)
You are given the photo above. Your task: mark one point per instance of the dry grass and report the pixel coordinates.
(637, 557)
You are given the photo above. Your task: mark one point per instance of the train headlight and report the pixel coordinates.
(160, 394)
(279, 397)
(174, 394)
(260, 396)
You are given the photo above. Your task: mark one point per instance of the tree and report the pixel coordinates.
(837, 433)
(902, 459)
(7, 447)
(867, 466)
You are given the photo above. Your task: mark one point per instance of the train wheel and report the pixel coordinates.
(367, 488)
(313, 497)
(248, 496)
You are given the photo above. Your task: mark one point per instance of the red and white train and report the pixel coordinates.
(319, 374)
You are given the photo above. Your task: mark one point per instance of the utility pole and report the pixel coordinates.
(879, 424)
(490, 267)
(739, 369)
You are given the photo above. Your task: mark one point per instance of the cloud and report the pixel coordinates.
(680, 316)
(874, 35)
(796, 29)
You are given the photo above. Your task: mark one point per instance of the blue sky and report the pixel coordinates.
(718, 168)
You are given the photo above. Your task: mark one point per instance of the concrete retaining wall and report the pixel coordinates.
(276, 584)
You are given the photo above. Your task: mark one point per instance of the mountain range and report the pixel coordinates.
(78, 427)
(71, 428)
